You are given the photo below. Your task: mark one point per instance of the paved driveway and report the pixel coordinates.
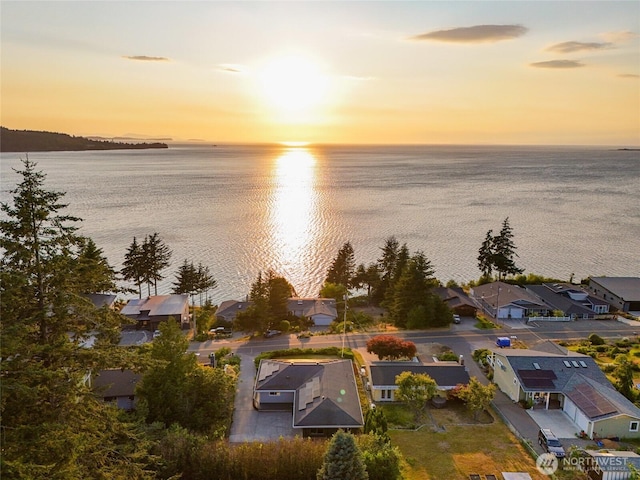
(556, 420)
(248, 424)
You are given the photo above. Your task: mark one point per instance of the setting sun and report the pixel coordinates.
(293, 85)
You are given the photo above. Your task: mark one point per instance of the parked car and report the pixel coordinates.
(550, 443)
(456, 318)
(156, 334)
(271, 333)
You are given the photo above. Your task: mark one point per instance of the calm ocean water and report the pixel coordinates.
(242, 209)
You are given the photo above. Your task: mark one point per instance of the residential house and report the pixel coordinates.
(553, 377)
(322, 395)
(118, 386)
(321, 310)
(561, 303)
(151, 311)
(100, 300)
(580, 296)
(503, 300)
(609, 464)
(457, 300)
(382, 377)
(623, 293)
(228, 309)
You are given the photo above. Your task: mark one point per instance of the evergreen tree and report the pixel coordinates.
(412, 288)
(157, 257)
(497, 253)
(133, 267)
(504, 251)
(386, 266)
(343, 460)
(93, 271)
(375, 423)
(186, 279)
(367, 277)
(280, 290)
(485, 255)
(53, 425)
(162, 386)
(343, 267)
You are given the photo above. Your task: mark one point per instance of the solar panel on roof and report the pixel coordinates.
(575, 364)
(591, 402)
(566, 363)
(537, 378)
(582, 364)
(536, 366)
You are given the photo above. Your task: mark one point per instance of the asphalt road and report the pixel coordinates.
(462, 339)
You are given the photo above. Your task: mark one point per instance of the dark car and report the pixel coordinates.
(271, 333)
(550, 442)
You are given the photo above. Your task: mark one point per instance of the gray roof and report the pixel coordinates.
(575, 375)
(116, 383)
(158, 305)
(445, 375)
(230, 308)
(100, 300)
(312, 306)
(506, 294)
(559, 302)
(627, 288)
(326, 395)
(614, 461)
(454, 297)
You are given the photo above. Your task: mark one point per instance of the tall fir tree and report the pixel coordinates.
(343, 268)
(53, 424)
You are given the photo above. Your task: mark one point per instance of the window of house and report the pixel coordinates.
(633, 426)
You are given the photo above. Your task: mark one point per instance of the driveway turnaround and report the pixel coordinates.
(248, 424)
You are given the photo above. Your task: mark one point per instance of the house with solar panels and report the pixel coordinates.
(149, 312)
(553, 377)
(322, 395)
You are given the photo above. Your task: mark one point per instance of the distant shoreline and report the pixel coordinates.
(27, 141)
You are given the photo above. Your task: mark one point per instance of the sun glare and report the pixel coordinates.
(293, 85)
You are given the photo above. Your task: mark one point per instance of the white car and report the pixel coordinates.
(156, 334)
(456, 318)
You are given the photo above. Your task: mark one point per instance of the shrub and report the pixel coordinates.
(596, 339)
(583, 350)
(389, 346)
(602, 348)
(285, 326)
(448, 356)
(480, 355)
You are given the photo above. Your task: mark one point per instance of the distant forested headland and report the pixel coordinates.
(33, 141)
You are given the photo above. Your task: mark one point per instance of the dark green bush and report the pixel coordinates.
(602, 348)
(596, 339)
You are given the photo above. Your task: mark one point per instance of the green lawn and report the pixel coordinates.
(459, 447)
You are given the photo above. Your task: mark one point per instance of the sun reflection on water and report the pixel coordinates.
(293, 207)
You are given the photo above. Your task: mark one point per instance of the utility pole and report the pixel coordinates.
(344, 328)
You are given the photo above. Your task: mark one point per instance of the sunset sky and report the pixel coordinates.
(506, 72)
